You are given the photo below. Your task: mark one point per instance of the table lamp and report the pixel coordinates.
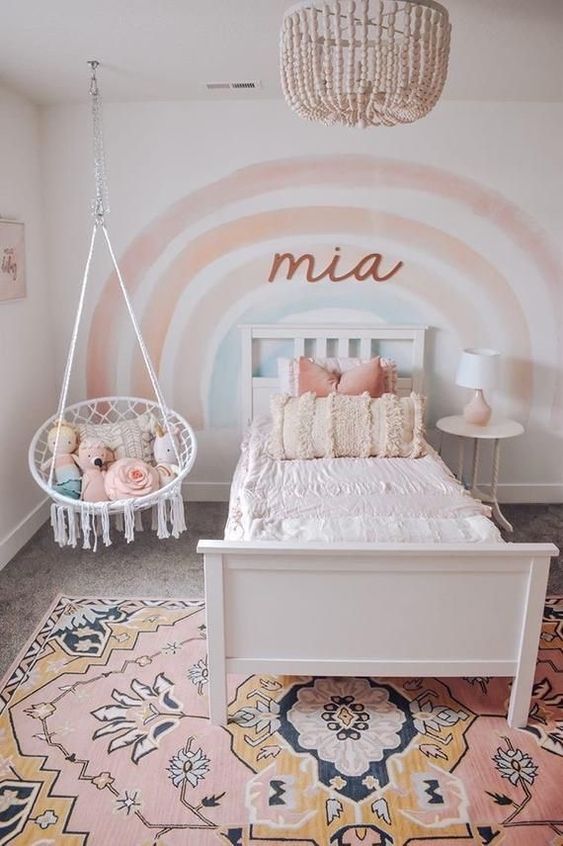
(478, 369)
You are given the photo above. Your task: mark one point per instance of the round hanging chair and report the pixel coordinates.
(70, 517)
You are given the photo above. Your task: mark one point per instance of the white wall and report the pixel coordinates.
(501, 162)
(159, 154)
(27, 391)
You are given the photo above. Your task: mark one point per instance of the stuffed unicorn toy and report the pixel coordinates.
(67, 476)
(165, 451)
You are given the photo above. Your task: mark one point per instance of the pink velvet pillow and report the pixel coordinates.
(365, 378)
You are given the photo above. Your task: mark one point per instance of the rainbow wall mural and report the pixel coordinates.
(474, 266)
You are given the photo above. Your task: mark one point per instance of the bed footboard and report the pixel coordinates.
(375, 610)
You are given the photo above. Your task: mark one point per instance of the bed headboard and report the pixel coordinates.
(262, 345)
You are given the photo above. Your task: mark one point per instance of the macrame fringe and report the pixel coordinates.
(72, 528)
(331, 446)
(162, 526)
(369, 441)
(177, 514)
(305, 445)
(92, 522)
(85, 525)
(363, 433)
(129, 521)
(419, 440)
(277, 408)
(104, 519)
(392, 426)
(54, 522)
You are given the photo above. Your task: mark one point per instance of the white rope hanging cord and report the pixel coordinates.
(100, 209)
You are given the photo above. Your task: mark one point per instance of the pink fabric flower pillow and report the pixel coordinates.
(127, 478)
(365, 378)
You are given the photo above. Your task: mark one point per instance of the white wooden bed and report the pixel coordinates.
(368, 609)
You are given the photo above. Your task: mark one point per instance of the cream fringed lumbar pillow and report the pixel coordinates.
(341, 426)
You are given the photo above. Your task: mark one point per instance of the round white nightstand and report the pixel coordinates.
(496, 431)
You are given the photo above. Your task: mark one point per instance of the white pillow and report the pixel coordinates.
(127, 438)
(288, 378)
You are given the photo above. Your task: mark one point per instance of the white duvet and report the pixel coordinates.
(384, 500)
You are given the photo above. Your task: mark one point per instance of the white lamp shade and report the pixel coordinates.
(478, 368)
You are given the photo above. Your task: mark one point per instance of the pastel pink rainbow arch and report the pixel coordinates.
(340, 171)
(314, 221)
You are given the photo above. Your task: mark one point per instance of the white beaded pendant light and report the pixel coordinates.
(364, 62)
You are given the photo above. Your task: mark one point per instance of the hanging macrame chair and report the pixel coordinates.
(75, 519)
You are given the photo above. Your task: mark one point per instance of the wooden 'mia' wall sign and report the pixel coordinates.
(369, 267)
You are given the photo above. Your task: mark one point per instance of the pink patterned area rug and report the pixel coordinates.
(105, 741)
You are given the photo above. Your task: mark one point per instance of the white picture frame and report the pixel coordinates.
(12, 260)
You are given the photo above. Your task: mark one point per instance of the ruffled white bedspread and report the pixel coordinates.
(384, 500)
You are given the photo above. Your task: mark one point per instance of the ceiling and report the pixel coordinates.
(168, 49)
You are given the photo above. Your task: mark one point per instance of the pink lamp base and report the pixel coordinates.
(477, 410)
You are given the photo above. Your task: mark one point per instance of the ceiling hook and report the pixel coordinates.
(94, 64)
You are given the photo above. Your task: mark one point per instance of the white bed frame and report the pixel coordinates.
(368, 609)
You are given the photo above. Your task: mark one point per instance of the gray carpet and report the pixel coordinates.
(153, 568)
(147, 567)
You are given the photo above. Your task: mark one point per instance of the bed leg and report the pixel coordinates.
(520, 698)
(217, 694)
(522, 685)
(213, 566)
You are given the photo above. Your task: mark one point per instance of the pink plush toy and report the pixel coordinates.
(94, 457)
(130, 477)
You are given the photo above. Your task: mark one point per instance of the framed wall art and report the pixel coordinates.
(12, 260)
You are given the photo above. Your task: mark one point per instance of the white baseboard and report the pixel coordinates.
(540, 494)
(206, 491)
(25, 529)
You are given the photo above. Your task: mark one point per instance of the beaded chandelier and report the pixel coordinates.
(364, 62)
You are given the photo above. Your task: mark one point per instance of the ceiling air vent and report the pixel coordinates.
(253, 83)
(238, 85)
